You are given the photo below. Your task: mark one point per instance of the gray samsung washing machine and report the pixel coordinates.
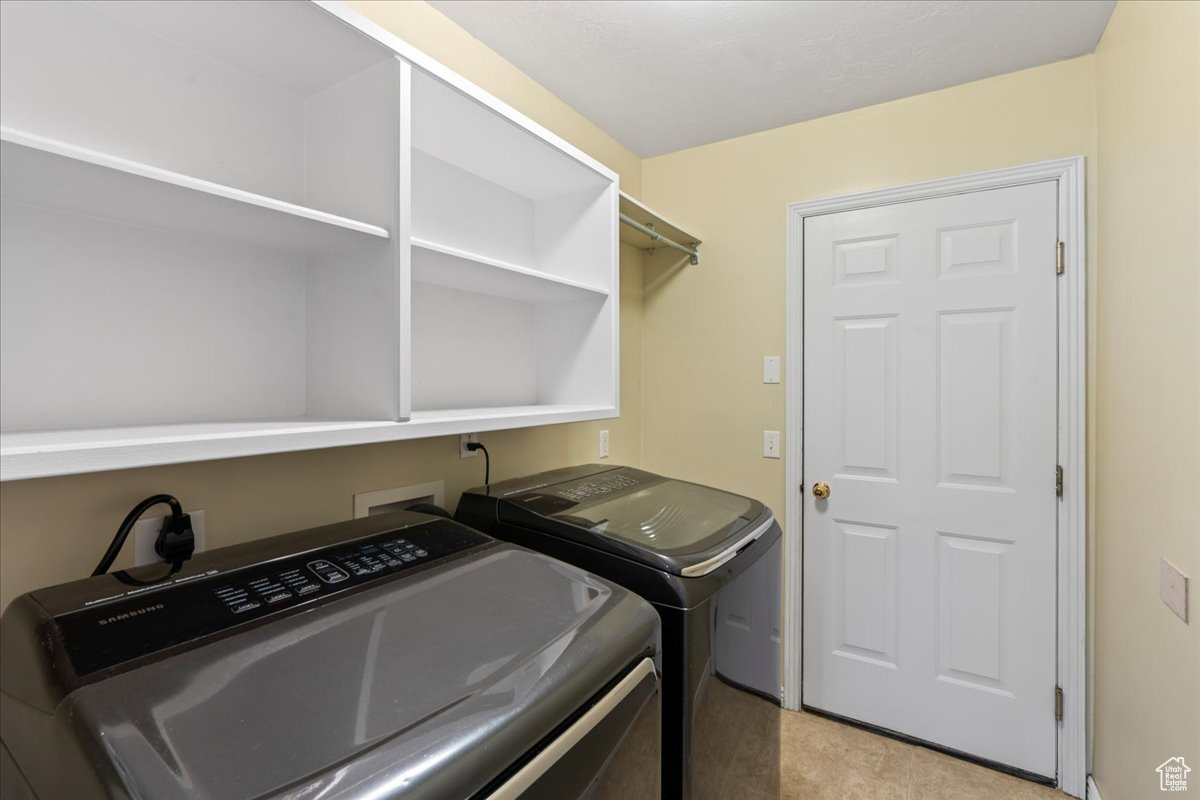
(398, 656)
(709, 562)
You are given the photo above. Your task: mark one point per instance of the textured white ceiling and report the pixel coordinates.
(663, 75)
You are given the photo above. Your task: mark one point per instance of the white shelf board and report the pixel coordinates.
(246, 36)
(645, 215)
(520, 414)
(443, 265)
(40, 454)
(441, 72)
(43, 172)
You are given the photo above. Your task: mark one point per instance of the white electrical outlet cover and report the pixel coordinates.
(463, 452)
(604, 444)
(1173, 588)
(145, 532)
(770, 369)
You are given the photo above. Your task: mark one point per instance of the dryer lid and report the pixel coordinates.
(666, 523)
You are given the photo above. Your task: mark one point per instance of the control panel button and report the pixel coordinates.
(594, 488)
(327, 572)
(249, 605)
(298, 582)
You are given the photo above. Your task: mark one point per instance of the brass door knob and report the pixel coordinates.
(820, 490)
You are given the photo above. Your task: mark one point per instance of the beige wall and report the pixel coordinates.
(1147, 661)
(708, 327)
(56, 529)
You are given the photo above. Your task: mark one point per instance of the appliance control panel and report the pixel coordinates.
(111, 633)
(557, 499)
(587, 489)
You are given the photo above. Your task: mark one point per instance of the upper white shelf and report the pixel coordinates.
(50, 174)
(39, 454)
(644, 216)
(458, 269)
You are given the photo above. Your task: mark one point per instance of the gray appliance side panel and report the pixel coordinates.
(746, 635)
(420, 689)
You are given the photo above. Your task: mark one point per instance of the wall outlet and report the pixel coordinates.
(604, 444)
(463, 452)
(770, 369)
(1173, 588)
(770, 444)
(146, 529)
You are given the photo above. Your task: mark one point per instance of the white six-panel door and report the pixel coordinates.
(930, 411)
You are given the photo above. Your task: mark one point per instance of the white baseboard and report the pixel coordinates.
(1093, 793)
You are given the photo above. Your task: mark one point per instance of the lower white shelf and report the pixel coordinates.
(447, 266)
(41, 454)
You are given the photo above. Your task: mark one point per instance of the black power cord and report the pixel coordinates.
(175, 541)
(487, 461)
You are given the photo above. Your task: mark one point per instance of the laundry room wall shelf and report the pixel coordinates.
(219, 246)
(647, 230)
(43, 172)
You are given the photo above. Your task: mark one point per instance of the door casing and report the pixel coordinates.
(1072, 436)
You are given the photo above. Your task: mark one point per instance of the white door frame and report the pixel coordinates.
(1072, 437)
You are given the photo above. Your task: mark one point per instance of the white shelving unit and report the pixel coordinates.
(214, 244)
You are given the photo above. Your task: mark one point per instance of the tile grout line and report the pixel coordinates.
(912, 759)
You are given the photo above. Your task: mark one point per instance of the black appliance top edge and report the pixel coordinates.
(676, 526)
(150, 579)
(514, 486)
(94, 628)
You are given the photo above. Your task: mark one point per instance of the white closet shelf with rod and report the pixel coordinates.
(645, 229)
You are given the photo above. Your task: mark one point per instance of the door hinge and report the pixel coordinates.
(1058, 703)
(1058, 481)
(1059, 260)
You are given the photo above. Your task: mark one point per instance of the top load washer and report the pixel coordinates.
(397, 656)
(709, 562)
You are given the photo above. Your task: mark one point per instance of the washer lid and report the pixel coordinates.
(674, 525)
(420, 688)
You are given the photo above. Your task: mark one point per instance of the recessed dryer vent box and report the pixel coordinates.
(398, 498)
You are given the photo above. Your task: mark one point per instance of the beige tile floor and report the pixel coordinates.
(826, 760)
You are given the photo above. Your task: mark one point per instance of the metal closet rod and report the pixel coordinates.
(655, 236)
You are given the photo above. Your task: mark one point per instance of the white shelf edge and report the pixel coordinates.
(430, 417)
(432, 66)
(466, 255)
(180, 180)
(30, 461)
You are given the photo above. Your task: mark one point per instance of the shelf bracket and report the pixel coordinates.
(691, 251)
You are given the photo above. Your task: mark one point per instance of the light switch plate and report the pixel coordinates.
(770, 444)
(145, 532)
(1173, 588)
(770, 369)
